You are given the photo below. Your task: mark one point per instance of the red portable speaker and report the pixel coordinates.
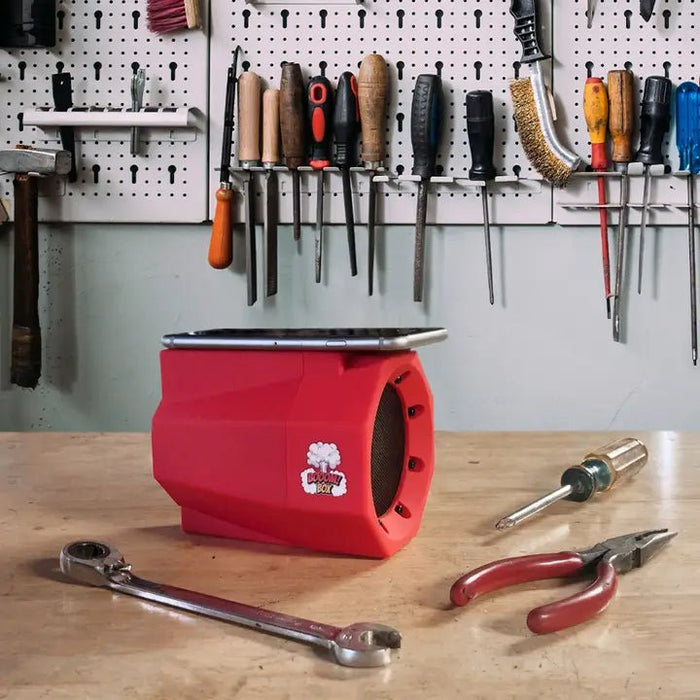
(329, 450)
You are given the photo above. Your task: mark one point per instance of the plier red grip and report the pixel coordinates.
(610, 558)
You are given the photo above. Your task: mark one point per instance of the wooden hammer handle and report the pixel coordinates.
(25, 368)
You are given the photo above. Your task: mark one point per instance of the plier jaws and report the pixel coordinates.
(617, 555)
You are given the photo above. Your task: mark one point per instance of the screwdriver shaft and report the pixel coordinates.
(318, 242)
(619, 271)
(421, 214)
(643, 227)
(487, 241)
(349, 219)
(602, 200)
(371, 218)
(691, 258)
(532, 508)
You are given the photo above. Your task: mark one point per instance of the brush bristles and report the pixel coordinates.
(541, 157)
(172, 15)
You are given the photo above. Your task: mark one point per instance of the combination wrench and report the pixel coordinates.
(363, 644)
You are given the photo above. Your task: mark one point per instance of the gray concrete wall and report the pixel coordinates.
(542, 358)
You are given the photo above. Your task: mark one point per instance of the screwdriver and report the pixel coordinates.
(248, 157)
(220, 253)
(595, 110)
(271, 158)
(621, 120)
(688, 142)
(590, 11)
(599, 471)
(346, 122)
(372, 88)
(426, 117)
(480, 129)
(293, 133)
(655, 122)
(320, 110)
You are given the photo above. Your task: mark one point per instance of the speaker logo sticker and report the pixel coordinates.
(323, 476)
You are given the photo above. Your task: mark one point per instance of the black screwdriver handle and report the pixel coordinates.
(346, 120)
(426, 118)
(525, 14)
(320, 110)
(655, 119)
(480, 130)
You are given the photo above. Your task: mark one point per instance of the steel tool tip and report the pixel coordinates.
(607, 306)
(505, 523)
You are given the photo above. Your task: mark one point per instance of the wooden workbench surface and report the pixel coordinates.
(61, 640)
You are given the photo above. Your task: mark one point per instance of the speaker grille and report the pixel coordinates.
(388, 441)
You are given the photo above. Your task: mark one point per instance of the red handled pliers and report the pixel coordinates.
(610, 558)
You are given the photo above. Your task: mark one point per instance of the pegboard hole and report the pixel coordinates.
(438, 18)
(323, 14)
(136, 16)
(285, 16)
(98, 19)
(400, 15)
(400, 65)
(477, 16)
(246, 19)
(361, 16)
(628, 19)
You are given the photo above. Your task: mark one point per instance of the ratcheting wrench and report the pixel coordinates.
(363, 644)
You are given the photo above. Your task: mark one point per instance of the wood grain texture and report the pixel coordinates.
(621, 96)
(249, 103)
(62, 640)
(292, 115)
(26, 333)
(271, 127)
(372, 91)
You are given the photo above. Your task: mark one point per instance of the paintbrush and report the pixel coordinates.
(166, 16)
(532, 107)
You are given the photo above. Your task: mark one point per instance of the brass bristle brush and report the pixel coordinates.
(531, 106)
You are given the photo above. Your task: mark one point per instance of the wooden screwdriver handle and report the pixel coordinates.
(292, 115)
(621, 120)
(249, 91)
(372, 88)
(271, 127)
(221, 242)
(25, 367)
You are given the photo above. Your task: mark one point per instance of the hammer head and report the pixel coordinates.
(34, 161)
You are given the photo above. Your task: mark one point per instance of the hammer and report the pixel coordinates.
(28, 164)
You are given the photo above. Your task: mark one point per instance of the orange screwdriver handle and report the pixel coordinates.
(595, 110)
(221, 243)
(621, 96)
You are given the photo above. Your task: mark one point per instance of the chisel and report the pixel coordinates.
(426, 117)
(320, 111)
(293, 133)
(271, 158)
(346, 122)
(248, 157)
(372, 88)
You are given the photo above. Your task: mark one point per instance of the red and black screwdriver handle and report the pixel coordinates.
(346, 120)
(320, 110)
(426, 120)
(552, 617)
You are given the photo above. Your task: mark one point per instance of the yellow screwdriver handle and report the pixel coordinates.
(623, 458)
(595, 110)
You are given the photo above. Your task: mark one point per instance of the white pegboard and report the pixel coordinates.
(471, 44)
(98, 42)
(619, 38)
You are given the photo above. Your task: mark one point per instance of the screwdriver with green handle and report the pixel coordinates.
(599, 471)
(426, 118)
(688, 142)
